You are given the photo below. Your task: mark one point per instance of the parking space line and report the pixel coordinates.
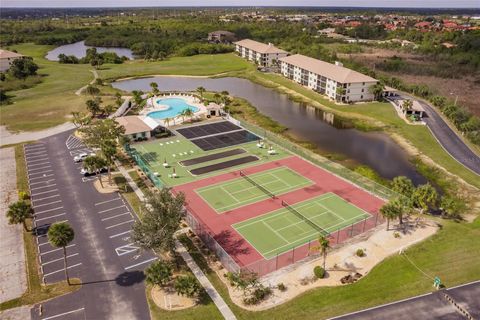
(63, 314)
(118, 215)
(111, 209)
(140, 263)
(46, 204)
(30, 155)
(46, 181)
(38, 150)
(52, 185)
(38, 164)
(99, 203)
(39, 212)
(44, 175)
(61, 270)
(36, 160)
(36, 169)
(42, 244)
(59, 259)
(36, 194)
(119, 234)
(35, 149)
(57, 249)
(54, 216)
(119, 224)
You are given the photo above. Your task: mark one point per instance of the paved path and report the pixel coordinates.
(448, 138)
(7, 137)
(95, 76)
(212, 292)
(430, 306)
(13, 277)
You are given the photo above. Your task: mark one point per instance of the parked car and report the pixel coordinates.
(87, 173)
(82, 156)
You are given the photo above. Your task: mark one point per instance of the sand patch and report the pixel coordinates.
(168, 299)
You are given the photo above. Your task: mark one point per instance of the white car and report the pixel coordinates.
(87, 173)
(83, 156)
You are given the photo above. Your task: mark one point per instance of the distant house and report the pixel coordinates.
(137, 127)
(221, 36)
(333, 80)
(261, 53)
(6, 59)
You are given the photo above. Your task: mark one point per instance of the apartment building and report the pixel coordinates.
(6, 59)
(262, 54)
(333, 80)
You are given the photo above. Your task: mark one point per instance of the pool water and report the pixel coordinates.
(176, 107)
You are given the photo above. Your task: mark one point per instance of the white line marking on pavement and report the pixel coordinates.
(59, 259)
(36, 160)
(119, 234)
(111, 209)
(140, 263)
(54, 216)
(63, 314)
(44, 175)
(39, 212)
(119, 224)
(57, 271)
(126, 249)
(36, 188)
(35, 147)
(42, 244)
(117, 215)
(35, 153)
(42, 168)
(58, 249)
(46, 181)
(38, 164)
(46, 204)
(36, 194)
(99, 203)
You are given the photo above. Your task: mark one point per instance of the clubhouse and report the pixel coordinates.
(263, 54)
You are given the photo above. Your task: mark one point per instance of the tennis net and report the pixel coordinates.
(301, 216)
(259, 186)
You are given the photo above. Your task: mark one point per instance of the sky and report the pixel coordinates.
(243, 3)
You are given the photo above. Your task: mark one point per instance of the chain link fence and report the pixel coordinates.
(133, 153)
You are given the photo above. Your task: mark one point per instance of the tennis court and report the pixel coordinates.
(252, 188)
(283, 229)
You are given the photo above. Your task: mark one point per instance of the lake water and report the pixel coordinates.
(375, 149)
(79, 50)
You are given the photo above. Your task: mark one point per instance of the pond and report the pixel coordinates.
(79, 50)
(374, 149)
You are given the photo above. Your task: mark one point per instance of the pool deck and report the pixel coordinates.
(153, 106)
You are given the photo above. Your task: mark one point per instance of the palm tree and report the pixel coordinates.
(340, 92)
(217, 97)
(377, 90)
(95, 164)
(390, 210)
(167, 121)
(19, 212)
(60, 234)
(93, 107)
(407, 105)
(201, 91)
(324, 245)
(154, 87)
(188, 113)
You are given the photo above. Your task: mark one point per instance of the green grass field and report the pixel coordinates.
(281, 230)
(176, 149)
(240, 192)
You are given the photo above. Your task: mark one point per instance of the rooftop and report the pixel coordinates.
(329, 70)
(134, 124)
(4, 54)
(259, 47)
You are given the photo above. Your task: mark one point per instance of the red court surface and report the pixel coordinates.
(220, 225)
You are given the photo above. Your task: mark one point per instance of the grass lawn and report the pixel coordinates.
(278, 231)
(199, 65)
(177, 149)
(36, 291)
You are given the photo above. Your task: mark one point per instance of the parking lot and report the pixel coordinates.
(102, 255)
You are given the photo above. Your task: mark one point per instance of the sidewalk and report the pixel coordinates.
(7, 137)
(12, 264)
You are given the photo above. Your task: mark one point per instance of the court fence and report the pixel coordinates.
(141, 163)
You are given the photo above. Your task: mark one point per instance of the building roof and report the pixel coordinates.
(4, 54)
(329, 70)
(133, 124)
(259, 47)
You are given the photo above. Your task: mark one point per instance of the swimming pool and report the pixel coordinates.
(175, 107)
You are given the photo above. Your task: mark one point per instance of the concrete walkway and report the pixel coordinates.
(7, 137)
(209, 288)
(12, 264)
(95, 76)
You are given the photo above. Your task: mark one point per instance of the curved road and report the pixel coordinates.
(448, 139)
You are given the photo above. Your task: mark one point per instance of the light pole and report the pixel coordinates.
(456, 98)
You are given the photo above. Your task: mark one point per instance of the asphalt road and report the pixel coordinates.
(102, 255)
(431, 306)
(449, 139)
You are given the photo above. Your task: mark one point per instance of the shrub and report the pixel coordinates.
(396, 234)
(22, 195)
(259, 294)
(319, 272)
(281, 287)
(360, 253)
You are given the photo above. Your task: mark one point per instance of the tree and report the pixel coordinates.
(201, 91)
(60, 234)
(188, 113)
(137, 97)
(92, 90)
(22, 68)
(154, 87)
(340, 92)
(80, 119)
(323, 246)
(109, 151)
(108, 109)
(217, 97)
(424, 197)
(118, 99)
(159, 273)
(187, 286)
(452, 206)
(95, 164)
(407, 105)
(167, 121)
(390, 210)
(377, 90)
(93, 106)
(403, 186)
(19, 212)
(96, 62)
(162, 215)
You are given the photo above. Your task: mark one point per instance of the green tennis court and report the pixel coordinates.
(242, 191)
(279, 231)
